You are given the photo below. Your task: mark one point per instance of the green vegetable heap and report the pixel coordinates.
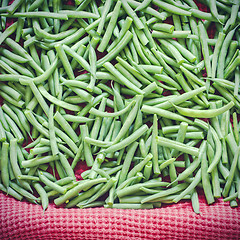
(139, 90)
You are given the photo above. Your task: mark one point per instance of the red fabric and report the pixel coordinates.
(23, 220)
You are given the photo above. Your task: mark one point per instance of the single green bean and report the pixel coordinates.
(209, 113)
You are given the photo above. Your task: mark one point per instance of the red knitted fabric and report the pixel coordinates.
(22, 220)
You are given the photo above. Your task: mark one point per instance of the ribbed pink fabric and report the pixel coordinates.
(22, 220)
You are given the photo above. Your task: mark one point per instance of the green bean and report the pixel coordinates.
(10, 30)
(195, 201)
(193, 184)
(66, 126)
(8, 68)
(143, 5)
(164, 113)
(127, 162)
(21, 118)
(181, 98)
(63, 57)
(232, 66)
(177, 145)
(39, 97)
(129, 120)
(84, 204)
(3, 120)
(14, 6)
(27, 177)
(39, 14)
(237, 82)
(42, 194)
(77, 57)
(14, 162)
(174, 34)
(15, 129)
(233, 16)
(194, 78)
(214, 173)
(128, 75)
(132, 14)
(86, 146)
(98, 143)
(79, 119)
(74, 191)
(217, 48)
(165, 27)
(80, 92)
(114, 52)
(125, 27)
(185, 53)
(30, 117)
(206, 16)
(166, 163)
(66, 41)
(20, 24)
(139, 166)
(11, 92)
(131, 138)
(154, 148)
(78, 14)
(189, 135)
(11, 192)
(231, 197)
(132, 70)
(121, 78)
(62, 182)
(175, 128)
(39, 160)
(231, 173)
(114, 170)
(12, 56)
(2, 133)
(34, 142)
(84, 195)
(205, 50)
(205, 177)
(56, 101)
(180, 137)
(106, 9)
(15, 118)
(36, 4)
(64, 137)
(223, 53)
(52, 135)
(109, 30)
(96, 112)
(149, 10)
(23, 53)
(171, 8)
(51, 184)
(131, 199)
(103, 190)
(98, 120)
(165, 193)
(4, 164)
(40, 150)
(210, 113)
(22, 191)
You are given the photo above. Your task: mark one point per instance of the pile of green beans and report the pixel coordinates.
(138, 90)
